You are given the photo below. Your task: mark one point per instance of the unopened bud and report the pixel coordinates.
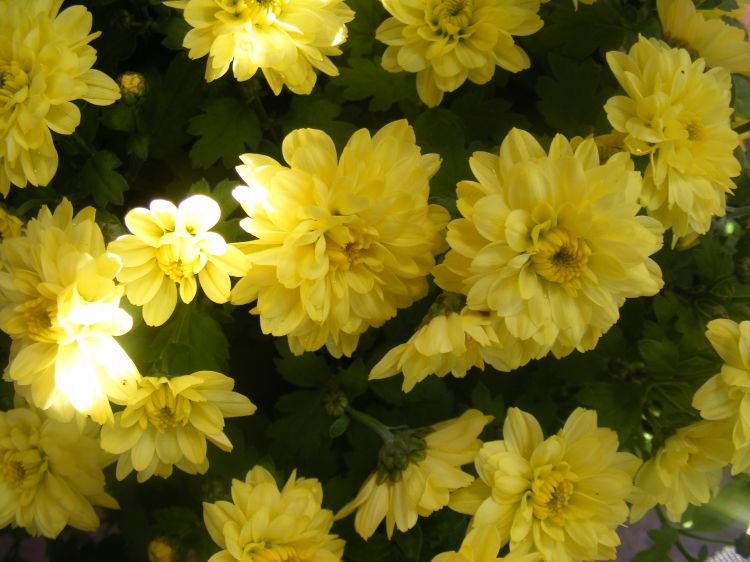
(159, 550)
(132, 86)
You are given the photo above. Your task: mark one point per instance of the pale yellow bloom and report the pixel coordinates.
(447, 42)
(172, 246)
(562, 497)
(726, 395)
(341, 243)
(712, 39)
(50, 474)
(60, 305)
(167, 423)
(678, 113)
(10, 225)
(433, 457)
(265, 524)
(551, 244)
(285, 39)
(687, 469)
(45, 65)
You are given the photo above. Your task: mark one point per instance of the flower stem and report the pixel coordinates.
(744, 128)
(376, 425)
(738, 212)
(704, 539)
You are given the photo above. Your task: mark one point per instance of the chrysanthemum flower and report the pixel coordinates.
(417, 471)
(285, 39)
(50, 474)
(726, 395)
(687, 469)
(551, 244)
(482, 545)
(563, 496)
(262, 523)
(45, 65)
(447, 42)
(10, 225)
(448, 341)
(677, 113)
(167, 423)
(341, 243)
(171, 246)
(60, 305)
(712, 39)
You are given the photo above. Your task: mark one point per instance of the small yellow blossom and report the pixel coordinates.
(712, 39)
(678, 113)
(285, 39)
(687, 469)
(45, 65)
(726, 395)
(341, 243)
(171, 246)
(61, 307)
(265, 524)
(50, 474)
(562, 497)
(168, 421)
(416, 473)
(447, 42)
(551, 244)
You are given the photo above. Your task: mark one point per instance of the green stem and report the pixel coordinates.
(689, 557)
(82, 144)
(704, 539)
(744, 128)
(738, 212)
(376, 425)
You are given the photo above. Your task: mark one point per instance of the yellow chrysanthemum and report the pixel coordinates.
(551, 244)
(60, 305)
(687, 469)
(264, 524)
(482, 545)
(50, 474)
(417, 471)
(285, 39)
(45, 65)
(712, 39)
(10, 225)
(726, 396)
(168, 421)
(341, 243)
(172, 246)
(563, 496)
(677, 113)
(449, 340)
(447, 42)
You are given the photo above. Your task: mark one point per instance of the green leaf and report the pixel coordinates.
(366, 79)
(353, 379)
(410, 543)
(482, 400)
(119, 117)
(317, 112)
(618, 405)
(308, 370)
(663, 540)
(302, 431)
(100, 179)
(226, 129)
(661, 357)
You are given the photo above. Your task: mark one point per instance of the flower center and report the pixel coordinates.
(449, 17)
(561, 258)
(23, 470)
(177, 261)
(347, 246)
(254, 12)
(165, 411)
(13, 83)
(40, 318)
(696, 131)
(550, 496)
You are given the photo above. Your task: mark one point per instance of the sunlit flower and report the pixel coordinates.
(712, 39)
(563, 496)
(50, 474)
(687, 469)
(417, 470)
(167, 423)
(447, 42)
(60, 305)
(45, 65)
(726, 396)
(172, 246)
(551, 244)
(341, 244)
(678, 113)
(263, 524)
(285, 39)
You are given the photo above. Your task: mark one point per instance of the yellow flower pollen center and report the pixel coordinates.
(550, 496)
(347, 246)
(262, 552)
(39, 316)
(165, 411)
(561, 258)
(696, 131)
(253, 12)
(173, 265)
(449, 17)
(12, 81)
(22, 470)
